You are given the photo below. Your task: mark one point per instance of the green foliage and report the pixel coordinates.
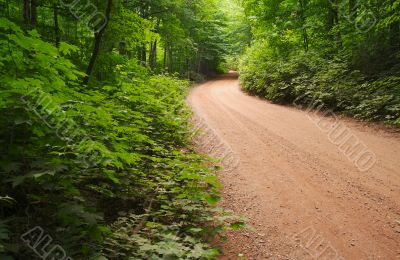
(155, 240)
(105, 169)
(308, 78)
(343, 55)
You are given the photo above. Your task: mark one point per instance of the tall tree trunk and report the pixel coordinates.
(153, 50)
(8, 9)
(188, 68)
(171, 60)
(303, 6)
(305, 39)
(333, 15)
(26, 13)
(56, 26)
(153, 54)
(33, 13)
(165, 57)
(97, 41)
(139, 54)
(144, 55)
(198, 61)
(333, 20)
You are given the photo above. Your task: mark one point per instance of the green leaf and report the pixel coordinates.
(111, 175)
(238, 225)
(16, 181)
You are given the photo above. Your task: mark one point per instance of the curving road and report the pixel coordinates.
(312, 187)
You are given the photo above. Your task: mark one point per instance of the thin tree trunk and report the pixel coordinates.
(33, 13)
(198, 62)
(171, 61)
(97, 41)
(332, 14)
(56, 26)
(26, 12)
(305, 39)
(165, 56)
(153, 62)
(139, 55)
(303, 5)
(144, 55)
(153, 54)
(333, 20)
(8, 9)
(188, 68)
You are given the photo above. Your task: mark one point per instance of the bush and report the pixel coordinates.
(105, 170)
(308, 77)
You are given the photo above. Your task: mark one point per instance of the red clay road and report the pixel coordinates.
(303, 189)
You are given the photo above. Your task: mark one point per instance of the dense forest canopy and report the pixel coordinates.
(95, 144)
(173, 36)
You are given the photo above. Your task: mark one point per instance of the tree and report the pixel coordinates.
(98, 36)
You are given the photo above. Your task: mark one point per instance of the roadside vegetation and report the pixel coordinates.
(95, 143)
(344, 55)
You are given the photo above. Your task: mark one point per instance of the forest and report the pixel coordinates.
(343, 55)
(96, 157)
(95, 137)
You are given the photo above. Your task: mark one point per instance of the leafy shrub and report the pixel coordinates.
(307, 77)
(91, 164)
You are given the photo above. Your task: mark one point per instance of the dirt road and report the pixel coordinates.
(306, 194)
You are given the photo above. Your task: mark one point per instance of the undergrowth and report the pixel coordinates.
(106, 171)
(309, 78)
